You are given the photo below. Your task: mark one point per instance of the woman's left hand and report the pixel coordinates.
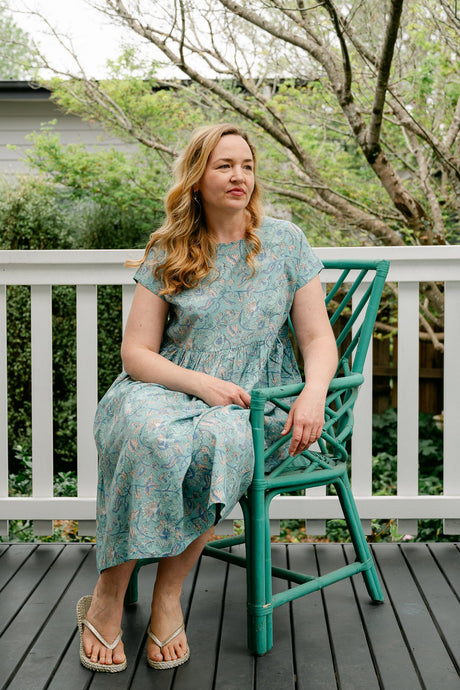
(306, 419)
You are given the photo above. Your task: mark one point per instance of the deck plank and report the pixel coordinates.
(384, 633)
(12, 559)
(333, 639)
(354, 661)
(275, 669)
(312, 649)
(422, 637)
(26, 578)
(45, 577)
(203, 627)
(442, 604)
(235, 664)
(50, 603)
(447, 556)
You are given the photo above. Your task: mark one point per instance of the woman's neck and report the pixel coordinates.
(227, 229)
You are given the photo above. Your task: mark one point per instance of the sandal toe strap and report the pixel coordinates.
(100, 638)
(170, 638)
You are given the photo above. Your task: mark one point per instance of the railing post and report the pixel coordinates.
(451, 474)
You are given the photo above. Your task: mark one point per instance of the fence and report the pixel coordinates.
(87, 269)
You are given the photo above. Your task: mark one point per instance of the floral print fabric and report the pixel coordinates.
(169, 463)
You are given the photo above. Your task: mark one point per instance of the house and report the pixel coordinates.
(24, 108)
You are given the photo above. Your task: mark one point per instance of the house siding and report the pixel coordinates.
(22, 114)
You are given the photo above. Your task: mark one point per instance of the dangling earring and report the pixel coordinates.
(196, 198)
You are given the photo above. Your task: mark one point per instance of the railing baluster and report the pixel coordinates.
(361, 441)
(451, 475)
(42, 399)
(3, 408)
(408, 380)
(127, 295)
(312, 526)
(86, 397)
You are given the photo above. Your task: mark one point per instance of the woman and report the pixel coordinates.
(208, 324)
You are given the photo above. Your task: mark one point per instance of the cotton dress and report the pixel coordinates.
(169, 463)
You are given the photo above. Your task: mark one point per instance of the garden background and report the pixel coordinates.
(355, 109)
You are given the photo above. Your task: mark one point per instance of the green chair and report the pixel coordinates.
(352, 303)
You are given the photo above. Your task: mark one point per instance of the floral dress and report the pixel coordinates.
(169, 464)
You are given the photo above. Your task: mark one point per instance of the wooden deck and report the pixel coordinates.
(330, 639)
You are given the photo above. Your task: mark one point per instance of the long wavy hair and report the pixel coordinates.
(188, 246)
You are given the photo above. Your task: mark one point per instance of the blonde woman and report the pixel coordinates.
(207, 325)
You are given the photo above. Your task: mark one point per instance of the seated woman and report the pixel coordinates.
(208, 324)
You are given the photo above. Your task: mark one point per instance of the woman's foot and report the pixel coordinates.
(105, 615)
(166, 618)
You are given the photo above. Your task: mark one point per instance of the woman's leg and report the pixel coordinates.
(105, 613)
(166, 609)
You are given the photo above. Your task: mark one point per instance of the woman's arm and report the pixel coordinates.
(319, 351)
(142, 361)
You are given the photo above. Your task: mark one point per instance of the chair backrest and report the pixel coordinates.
(352, 303)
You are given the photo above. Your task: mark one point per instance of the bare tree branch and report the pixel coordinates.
(391, 33)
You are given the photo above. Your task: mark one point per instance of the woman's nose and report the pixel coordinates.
(237, 174)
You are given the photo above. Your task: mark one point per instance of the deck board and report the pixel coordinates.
(335, 638)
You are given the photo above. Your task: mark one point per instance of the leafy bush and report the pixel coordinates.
(38, 214)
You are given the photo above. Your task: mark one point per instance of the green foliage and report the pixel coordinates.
(37, 214)
(17, 54)
(115, 200)
(32, 215)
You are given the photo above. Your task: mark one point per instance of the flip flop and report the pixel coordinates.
(174, 662)
(82, 609)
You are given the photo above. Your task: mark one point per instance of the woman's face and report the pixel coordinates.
(228, 180)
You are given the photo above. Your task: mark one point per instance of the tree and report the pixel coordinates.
(377, 102)
(17, 54)
(357, 103)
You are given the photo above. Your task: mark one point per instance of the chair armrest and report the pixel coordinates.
(340, 383)
(338, 415)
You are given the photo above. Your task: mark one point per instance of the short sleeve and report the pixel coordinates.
(145, 273)
(307, 265)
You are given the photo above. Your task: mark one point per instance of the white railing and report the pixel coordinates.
(88, 269)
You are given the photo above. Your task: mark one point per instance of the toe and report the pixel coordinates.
(118, 655)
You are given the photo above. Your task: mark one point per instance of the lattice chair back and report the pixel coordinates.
(352, 302)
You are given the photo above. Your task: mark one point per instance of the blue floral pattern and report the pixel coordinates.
(169, 463)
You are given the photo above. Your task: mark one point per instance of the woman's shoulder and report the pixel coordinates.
(280, 231)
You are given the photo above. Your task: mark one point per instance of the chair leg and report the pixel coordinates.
(358, 537)
(258, 574)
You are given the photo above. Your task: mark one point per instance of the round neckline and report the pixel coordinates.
(225, 244)
(230, 244)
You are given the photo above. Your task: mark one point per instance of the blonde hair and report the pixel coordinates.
(189, 248)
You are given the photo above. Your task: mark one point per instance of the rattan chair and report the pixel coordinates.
(352, 301)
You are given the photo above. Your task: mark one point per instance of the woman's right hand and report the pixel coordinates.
(216, 391)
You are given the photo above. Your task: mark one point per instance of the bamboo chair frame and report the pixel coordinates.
(324, 467)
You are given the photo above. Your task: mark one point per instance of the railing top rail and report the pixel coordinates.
(106, 266)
